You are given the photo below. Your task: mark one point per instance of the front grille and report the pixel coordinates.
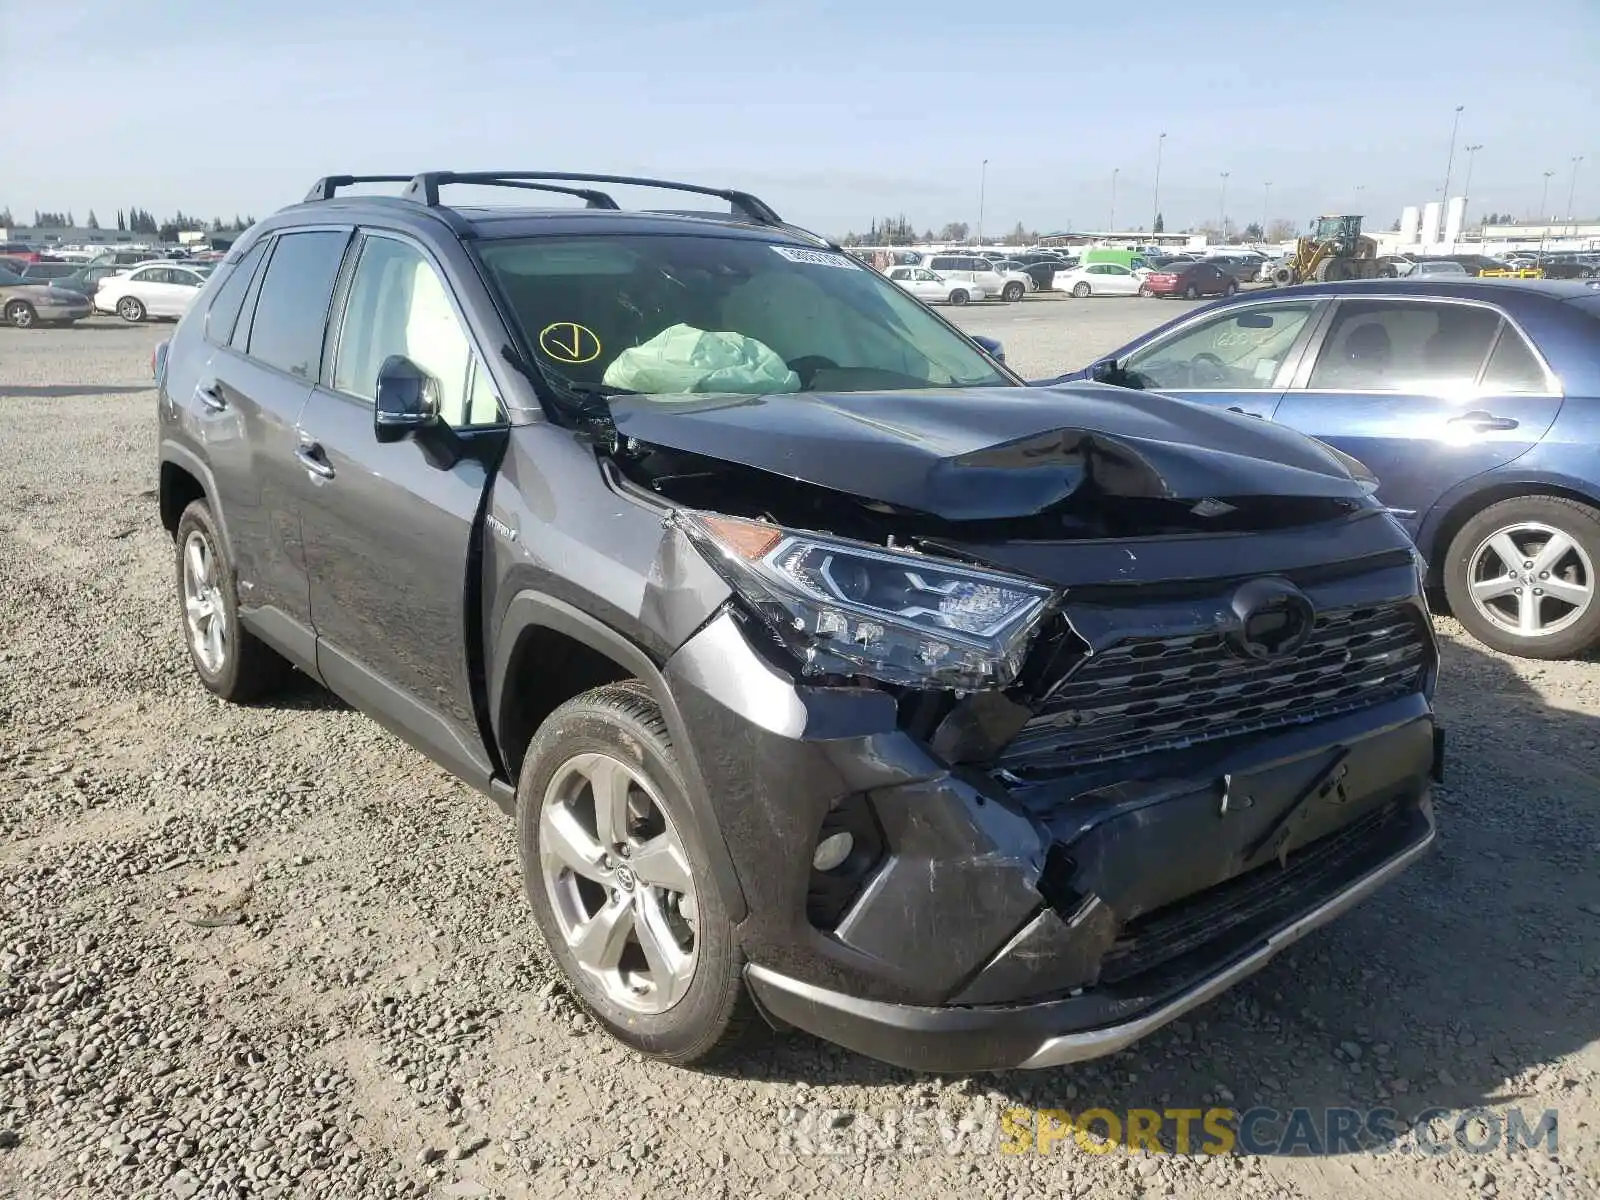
(1147, 694)
(1261, 899)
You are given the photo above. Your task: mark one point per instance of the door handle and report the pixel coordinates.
(314, 459)
(210, 398)
(1483, 422)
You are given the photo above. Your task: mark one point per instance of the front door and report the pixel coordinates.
(1426, 392)
(1240, 358)
(390, 545)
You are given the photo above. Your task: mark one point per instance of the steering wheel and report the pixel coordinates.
(1207, 370)
(807, 366)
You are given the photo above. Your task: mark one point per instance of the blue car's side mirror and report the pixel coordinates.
(990, 346)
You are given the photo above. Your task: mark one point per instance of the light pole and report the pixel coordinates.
(1451, 160)
(1266, 203)
(1572, 187)
(1466, 192)
(1544, 219)
(1222, 206)
(1115, 171)
(983, 185)
(1156, 216)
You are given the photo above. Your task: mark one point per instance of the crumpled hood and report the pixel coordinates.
(968, 454)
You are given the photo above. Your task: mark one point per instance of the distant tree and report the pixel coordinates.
(1280, 230)
(216, 225)
(927, 235)
(955, 231)
(69, 223)
(93, 222)
(1395, 228)
(1253, 232)
(122, 222)
(5, 218)
(1161, 224)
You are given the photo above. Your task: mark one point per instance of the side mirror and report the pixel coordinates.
(1105, 371)
(990, 346)
(407, 399)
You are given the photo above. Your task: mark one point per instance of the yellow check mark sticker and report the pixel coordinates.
(569, 342)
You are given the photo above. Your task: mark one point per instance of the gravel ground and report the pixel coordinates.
(271, 951)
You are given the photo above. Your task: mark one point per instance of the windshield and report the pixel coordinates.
(8, 277)
(704, 314)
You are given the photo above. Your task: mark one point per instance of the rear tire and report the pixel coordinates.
(131, 309)
(614, 739)
(1191, 292)
(959, 297)
(1013, 292)
(1232, 289)
(1144, 290)
(1490, 595)
(20, 314)
(1283, 276)
(231, 661)
(1080, 290)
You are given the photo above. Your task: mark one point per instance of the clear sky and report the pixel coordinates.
(834, 112)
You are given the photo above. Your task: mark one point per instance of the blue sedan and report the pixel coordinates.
(1476, 403)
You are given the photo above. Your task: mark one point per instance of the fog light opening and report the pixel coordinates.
(833, 851)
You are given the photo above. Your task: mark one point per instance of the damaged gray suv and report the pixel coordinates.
(835, 679)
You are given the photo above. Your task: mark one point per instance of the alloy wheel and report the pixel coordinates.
(1531, 579)
(619, 883)
(21, 315)
(204, 611)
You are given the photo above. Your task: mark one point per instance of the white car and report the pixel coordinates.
(978, 271)
(932, 288)
(153, 290)
(1100, 279)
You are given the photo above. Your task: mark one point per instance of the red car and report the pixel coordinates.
(1189, 280)
(20, 251)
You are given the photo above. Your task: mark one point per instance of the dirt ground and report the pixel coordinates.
(272, 951)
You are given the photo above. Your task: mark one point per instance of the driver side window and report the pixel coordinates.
(1239, 351)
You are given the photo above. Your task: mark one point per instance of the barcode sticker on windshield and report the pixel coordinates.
(815, 258)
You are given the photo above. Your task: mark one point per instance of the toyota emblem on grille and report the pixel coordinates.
(1275, 620)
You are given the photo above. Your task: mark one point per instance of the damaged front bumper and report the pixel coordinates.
(1040, 908)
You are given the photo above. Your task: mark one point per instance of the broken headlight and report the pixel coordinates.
(848, 608)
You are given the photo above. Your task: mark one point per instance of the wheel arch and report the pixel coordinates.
(547, 651)
(1447, 517)
(183, 479)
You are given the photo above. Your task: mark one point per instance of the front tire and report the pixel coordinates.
(615, 869)
(1230, 290)
(20, 314)
(131, 309)
(1080, 290)
(959, 297)
(1013, 292)
(1520, 576)
(1191, 292)
(231, 661)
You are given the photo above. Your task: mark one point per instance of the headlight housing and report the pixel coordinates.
(850, 608)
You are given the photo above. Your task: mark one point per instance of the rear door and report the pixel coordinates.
(265, 326)
(390, 540)
(1426, 392)
(1241, 357)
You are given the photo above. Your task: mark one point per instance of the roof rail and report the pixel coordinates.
(425, 189)
(593, 198)
(326, 187)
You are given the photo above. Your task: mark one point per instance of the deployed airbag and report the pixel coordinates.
(684, 360)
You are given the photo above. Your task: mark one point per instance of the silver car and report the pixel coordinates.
(26, 305)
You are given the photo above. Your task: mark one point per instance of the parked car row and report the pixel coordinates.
(63, 292)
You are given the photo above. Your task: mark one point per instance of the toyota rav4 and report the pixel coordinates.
(833, 676)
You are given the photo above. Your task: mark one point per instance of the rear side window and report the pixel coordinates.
(1396, 346)
(223, 314)
(1512, 367)
(292, 309)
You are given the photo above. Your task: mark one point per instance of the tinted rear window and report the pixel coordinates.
(224, 312)
(292, 309)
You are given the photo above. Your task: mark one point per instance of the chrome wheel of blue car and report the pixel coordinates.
(1532, 579)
